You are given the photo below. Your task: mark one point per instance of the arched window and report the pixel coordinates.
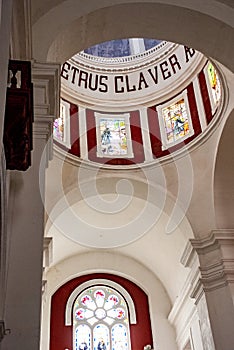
(100, 320)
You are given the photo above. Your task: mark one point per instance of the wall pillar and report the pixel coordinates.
(26, 219)
(213, 287)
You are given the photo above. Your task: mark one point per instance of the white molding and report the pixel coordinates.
(128, 62)
(145, 135)
(46, 90)
(47, 251)
(106, 282)
(155, 93)
(83, 133)
(216, 260)
(46, 76)
(200, 105)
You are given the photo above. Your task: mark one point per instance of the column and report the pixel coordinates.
(26, 219)
(83, 133)
(213, 287)
(145, 135)
(137, 45)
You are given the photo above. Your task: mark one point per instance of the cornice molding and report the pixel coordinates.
(215, 256)
(46, 80)
(216, 237)
(46, 85)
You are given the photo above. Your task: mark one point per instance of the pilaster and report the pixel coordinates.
(26, 218)
(213, 287)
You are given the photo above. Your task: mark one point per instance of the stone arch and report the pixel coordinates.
(85, 26)
(119, 265)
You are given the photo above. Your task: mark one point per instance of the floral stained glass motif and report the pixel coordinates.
(113, 136)
(214, 83)
(176, 121)
(59, 125)
(100, 320)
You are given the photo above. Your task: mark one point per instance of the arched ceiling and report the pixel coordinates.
(81, 25)
(75, 25)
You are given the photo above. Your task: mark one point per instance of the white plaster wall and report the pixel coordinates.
(163, 333)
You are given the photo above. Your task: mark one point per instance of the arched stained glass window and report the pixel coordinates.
(100, 320)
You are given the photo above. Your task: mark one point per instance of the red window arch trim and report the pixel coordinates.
(106, 282)
(61, 336)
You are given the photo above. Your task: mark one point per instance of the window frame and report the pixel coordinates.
(126, 116)
(165, 144)
(116, 322)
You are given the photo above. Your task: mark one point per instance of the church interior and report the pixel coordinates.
(117, 167)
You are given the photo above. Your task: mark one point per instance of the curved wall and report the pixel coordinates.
(148, 132)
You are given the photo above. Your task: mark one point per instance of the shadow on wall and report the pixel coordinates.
(224, 177)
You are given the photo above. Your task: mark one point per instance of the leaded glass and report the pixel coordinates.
(113, 136)
(176, 121)
(214, 83)
(101, 338)
(119, 337)
(59, 124)
(100, 319)
(99, 295)
(111, 301)
(83, 337)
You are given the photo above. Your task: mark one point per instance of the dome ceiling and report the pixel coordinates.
(133, 109)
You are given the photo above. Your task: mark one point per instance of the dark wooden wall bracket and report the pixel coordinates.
(17, 136)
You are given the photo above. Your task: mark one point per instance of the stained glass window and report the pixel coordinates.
(214, 83)
(61, 130)
(176, 121)
(113, 135)
(100, 320)
(59, 124)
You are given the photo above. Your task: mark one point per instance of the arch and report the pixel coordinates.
(141, 331)
(119, 265)
(82, 26)
(117, 286)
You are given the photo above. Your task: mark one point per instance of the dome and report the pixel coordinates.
(123, 108)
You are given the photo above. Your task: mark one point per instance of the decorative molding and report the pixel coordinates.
(46, 83)
(139, 84)
(215, 254)
(184, 308)
(47, 251)
(46, 78)
(135, 61)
